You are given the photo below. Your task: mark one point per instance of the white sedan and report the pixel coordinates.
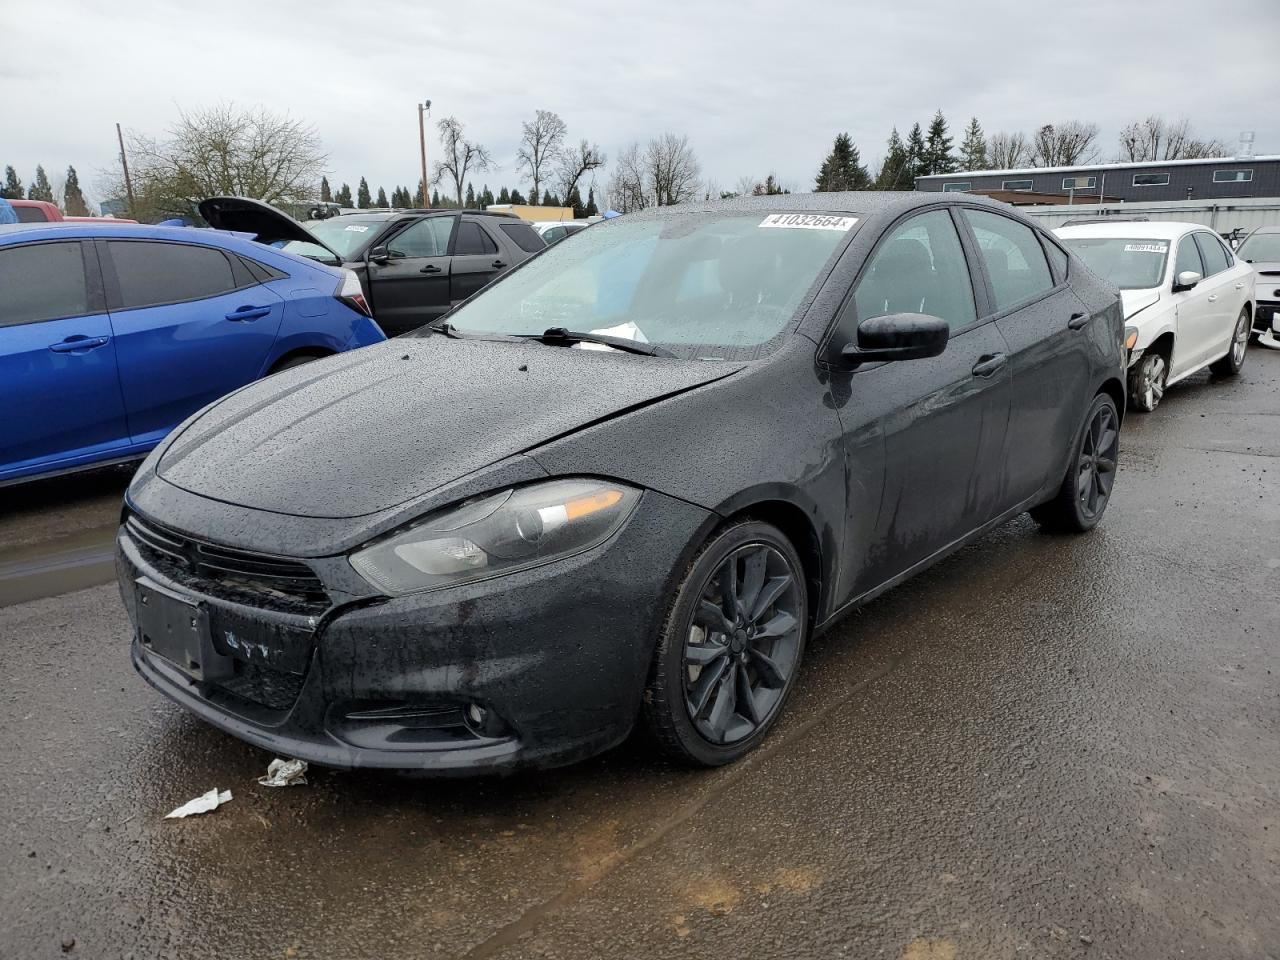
(1188, 302)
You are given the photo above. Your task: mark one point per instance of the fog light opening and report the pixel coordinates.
(483, 722)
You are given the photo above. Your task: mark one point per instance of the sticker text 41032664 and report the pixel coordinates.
(808, 221)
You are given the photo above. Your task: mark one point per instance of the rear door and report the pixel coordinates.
(60, 399)
(1226, 293)
(191, 325)
(1047, 329)
(476, 259)
(412, 287)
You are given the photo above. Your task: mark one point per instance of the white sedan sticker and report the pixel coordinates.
(808, 221)
(1146, 248)
(356, 228)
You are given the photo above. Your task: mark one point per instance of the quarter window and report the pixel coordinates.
(426, 238)
(44, 281)
(1079, 183)
(1215, 258)
(1015, 263)
(152, 273)
(1232, 176)
(1017, 184)
(1150, 179)
(1057, 259)
(525, 236)
(473, 241)
(1188, 258)
(919, 268)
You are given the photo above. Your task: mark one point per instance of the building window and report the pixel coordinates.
(1017, 185)
(1232, 176)
(955, 187)
(1150, 179)
(1079, 183)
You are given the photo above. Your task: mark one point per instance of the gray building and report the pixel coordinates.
(1219, 178)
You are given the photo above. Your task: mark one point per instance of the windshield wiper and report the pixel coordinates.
(558, 336)
(445, 327)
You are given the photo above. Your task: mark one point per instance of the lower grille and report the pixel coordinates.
(273, 689)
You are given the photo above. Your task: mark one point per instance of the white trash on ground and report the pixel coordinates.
(201, 804)
(285, 773)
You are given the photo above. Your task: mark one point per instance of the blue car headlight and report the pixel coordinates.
(496, 534)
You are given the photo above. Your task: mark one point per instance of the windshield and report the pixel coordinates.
(1261, 248)
(1131, 263)
(704, 284)
(345, 235)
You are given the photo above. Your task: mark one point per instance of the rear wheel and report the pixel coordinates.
(1147, 382)
(288, 363)
(730, 649)
(1230, 365)
(1086, 489)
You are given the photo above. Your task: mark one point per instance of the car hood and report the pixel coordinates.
(369, 430)
(269, 225)
(1137, 300)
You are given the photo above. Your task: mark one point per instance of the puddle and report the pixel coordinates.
(56, 566)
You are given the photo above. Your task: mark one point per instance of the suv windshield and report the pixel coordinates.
(702, 284)
(1260, 248)
(1131, 263)
(345, 235)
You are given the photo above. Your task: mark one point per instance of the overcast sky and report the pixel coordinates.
(757, 86)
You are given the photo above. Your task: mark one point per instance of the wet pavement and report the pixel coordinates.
(1043, 747)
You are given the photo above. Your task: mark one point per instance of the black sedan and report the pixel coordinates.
(624, 484)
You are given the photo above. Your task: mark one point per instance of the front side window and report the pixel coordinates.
(1018, 185)
(919, 268)
(1150, 179)
(699, 284)
(425, 238)
(151, 273)
(1188, 258)
(1232, 176)
(1211, 251)
(1130, 263)
(1012, 255)
(1260, 248)
(43, 281)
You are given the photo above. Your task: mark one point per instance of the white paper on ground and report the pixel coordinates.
(285, 773)
(201, 804)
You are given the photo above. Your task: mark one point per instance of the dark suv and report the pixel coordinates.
(414, 265)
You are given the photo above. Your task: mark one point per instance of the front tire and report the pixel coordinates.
(730, 650)
(1230, 365)
(1147, 382)
(1086, 489)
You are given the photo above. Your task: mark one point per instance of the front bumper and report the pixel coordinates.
(1266, 316)
(554, 658)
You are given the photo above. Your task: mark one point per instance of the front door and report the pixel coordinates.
(412, 287)
(1196, 312)
(942, 419)
(60, 401)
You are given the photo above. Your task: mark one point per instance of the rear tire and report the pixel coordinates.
(1086, 489)
(288, 363)
(1230, 365)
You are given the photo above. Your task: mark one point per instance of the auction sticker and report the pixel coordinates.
(1146, 248)
(808, 221)
(356, 228)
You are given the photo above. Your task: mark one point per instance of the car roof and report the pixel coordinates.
(869, 204)
(1142, 229)
(1265, 230)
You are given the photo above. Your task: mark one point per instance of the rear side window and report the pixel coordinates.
(44, 281)
(1013, 257)
(473, 241)
(30, 215)
(524, 236)
(151, 274)
(1188, 258)
(1215, 258)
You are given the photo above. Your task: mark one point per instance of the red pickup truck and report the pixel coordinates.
(42, 211)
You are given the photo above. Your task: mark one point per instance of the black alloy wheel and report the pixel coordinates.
(1086, 489)
(731, 647)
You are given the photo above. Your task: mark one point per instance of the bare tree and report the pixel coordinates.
(577, 163)
(671, 169)
(626, 187)
(221, 151)
(540, 144)
(461, 156)
(1158, 139)
(1007, 151)
(1064, 144)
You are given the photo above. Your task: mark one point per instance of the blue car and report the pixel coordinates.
(112, 335)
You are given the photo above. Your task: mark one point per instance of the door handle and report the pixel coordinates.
(1239, 286)
(1077, 321)
(248, 313)
(989, 364)
(430, 268)
(79, 344)
(1213, 298)
(498, 264)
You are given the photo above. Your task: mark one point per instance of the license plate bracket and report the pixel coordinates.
(177, 629)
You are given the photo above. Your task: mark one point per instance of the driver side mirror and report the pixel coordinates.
(1186, 280)
(898, 336)
(379, 255)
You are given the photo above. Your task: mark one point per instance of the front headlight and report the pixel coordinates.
(496, 534)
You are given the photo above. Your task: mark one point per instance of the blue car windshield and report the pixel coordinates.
(699, 284)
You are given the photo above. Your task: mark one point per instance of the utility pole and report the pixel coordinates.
(423, 108)
(124, 162)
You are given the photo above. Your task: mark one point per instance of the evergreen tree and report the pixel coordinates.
(937, 148)
(915, 157)
(973, 151)
(843, 169)
(326, 194)
(471, 197)
(343, 197)
(435, 198)
(12, 189)
(486, 198)
(533, 197)
(363, 199)
(574, 199)
(40, 187)
(894, 171)
(592, 210)
(549, 199)
(72, 199)
(516, 197)
(504, 195)
(382, 198)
